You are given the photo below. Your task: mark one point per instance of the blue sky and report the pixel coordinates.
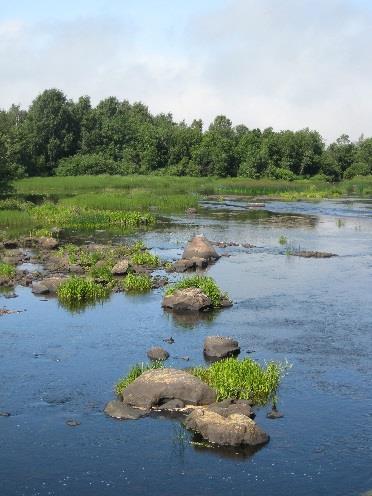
(288, 64)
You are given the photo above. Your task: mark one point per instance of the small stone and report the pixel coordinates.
(121, 268)
(157, 353)
(39, 288)
(72, 423)
(274, 414)
(5, 414)
(220, 347)
(119, 410)
(169, 340)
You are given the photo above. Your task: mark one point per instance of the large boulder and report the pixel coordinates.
(220, 347)
(231, 429)
(157, 386)
(187, 300)
(39, 288)
(200, 247)
(52, 283)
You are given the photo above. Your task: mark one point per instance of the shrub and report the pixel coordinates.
(135, 372)
(88, 164)
(244, 379)
(137, 283)
(205, 283)
(7, 270)
(79, 290)
(357, 169)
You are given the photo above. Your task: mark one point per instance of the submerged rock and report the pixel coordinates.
(220, 347)
(187, 300)
(157, 353)
(200, 247)
(312, 254)
(156, 386)
(225, 429)
(48, 243)
(119, 410)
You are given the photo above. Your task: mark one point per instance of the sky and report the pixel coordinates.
(286, 64)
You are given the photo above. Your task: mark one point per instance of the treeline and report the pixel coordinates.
(57, 136)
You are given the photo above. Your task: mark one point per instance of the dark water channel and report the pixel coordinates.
(315, 313)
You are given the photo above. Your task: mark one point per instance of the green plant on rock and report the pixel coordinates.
(79, 290)
(145, 258)
(7, 270)
(205, 283)
(134, 373)
(137, 283)
(102, 274)
(244, 379)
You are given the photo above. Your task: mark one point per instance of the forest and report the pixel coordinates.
(58, 136)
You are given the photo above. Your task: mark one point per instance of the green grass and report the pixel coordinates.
(15, 218)
(7, 270)
(245, 379)
(79, 290)
(102, 274)
(15, 204)
(283, 240)
(205, 283)
(137, 283)
(134, 373)
(145, 258)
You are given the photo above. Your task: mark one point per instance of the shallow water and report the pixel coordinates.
(316, 313)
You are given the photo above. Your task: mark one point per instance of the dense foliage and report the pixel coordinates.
(59, 136)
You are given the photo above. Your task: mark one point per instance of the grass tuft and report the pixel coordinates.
(79, 290)
(205, 283)
(137, 283)
(7, 270)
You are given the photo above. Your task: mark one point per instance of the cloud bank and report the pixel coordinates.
(285, 64)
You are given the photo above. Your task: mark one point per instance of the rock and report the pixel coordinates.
(274, 414)
(52, 283)
(235, 429)
(200, 247)
(312, 254)
(181, 266)
(121, 268)
(39, 288)
(156, 386)
(220, 347)
(172, 405)
(229, 406)
(226, 303)
(248, 245)
(10, 244)
(191, 211)
(199, 262)
(72, 423)
(159, 282)
(48, 243)
(119, 410)
(157, 353)
(169, 340)
(76, 269)
(5, 414)
(187, 300)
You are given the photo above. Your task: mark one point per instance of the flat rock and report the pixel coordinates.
(172, 405)
(157, 353)
(187, 300)
(52, 283)
(235, 429)
(76, 269)
(312, 254)
(229, 406)
(119, 410)
(220, 346)
(181, 266)
(121, 268)
(156, 386)
(201, 247)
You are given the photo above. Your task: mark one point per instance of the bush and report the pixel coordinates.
(89, 164)
(357, 169)
(244, 379)
(15, 204)
(205, 283)
(137, 283)
(79, 290)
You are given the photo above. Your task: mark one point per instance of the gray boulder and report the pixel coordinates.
(200, 247)
(117, 409)
(234, 429)
(121, 268)
(39, 288)
(220, 347)
(53, 283)
(157, 353)
(172, 405)
(156, 386)
(187, 300)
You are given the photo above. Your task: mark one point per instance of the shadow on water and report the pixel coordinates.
(189, 320)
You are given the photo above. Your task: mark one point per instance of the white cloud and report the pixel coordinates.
(285, 64)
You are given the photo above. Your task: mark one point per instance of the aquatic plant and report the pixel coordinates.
(245, 379)
(101, 274)
(15, 204)
(7, 270)
(205, 283)
(283, 240)
(145, 258)
(78, 290)
(137, 283)
(134, 373)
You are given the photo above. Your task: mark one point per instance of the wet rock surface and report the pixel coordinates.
(157, 353)
(220, 347)
(156, 386)
(312, 254)
(48, 243)
(119, 410)
(120, 268)
(217, 425)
